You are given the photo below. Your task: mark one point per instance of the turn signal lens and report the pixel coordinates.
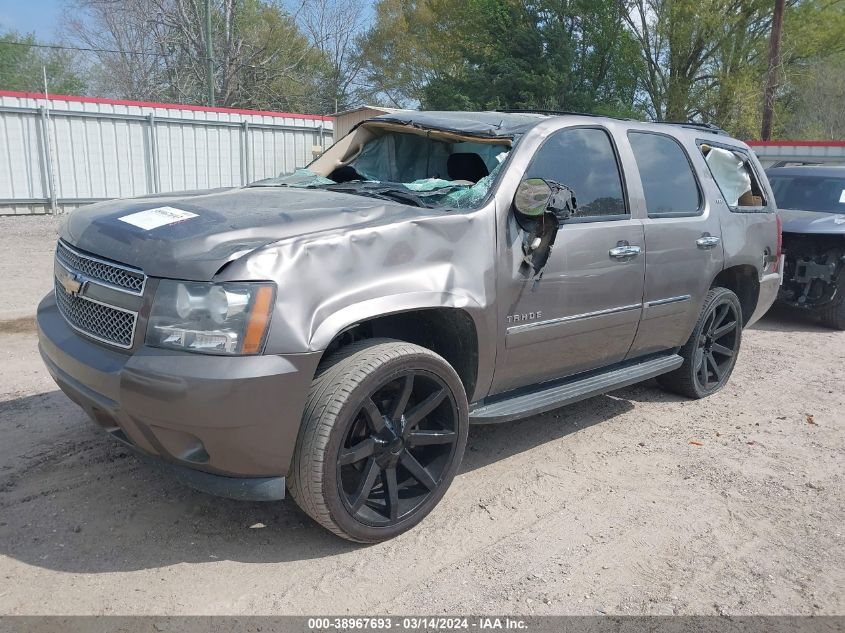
(259, 317)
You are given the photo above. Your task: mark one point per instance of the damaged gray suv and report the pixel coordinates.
(335, 331)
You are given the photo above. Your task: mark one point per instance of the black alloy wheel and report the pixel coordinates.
(718, 344)
(711, 352)
(397, 448)
(383, 433)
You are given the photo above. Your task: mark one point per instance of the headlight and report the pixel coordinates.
(227, 318)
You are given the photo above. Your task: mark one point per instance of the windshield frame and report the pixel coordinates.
(507, 141)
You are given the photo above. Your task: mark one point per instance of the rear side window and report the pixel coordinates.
(669, 185)
(731, 169)
(584, 160)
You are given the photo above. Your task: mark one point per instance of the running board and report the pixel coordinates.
(548, 396)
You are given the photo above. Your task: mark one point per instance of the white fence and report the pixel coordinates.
(59, 153)
(822, 152)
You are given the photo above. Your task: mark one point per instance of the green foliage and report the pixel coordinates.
(22, 67)
(812, 91)
(280, 70)
(662, 59)
(700, 60)
(813, 107)
(487, 54)
(397, 53)
(696, 52)
(813, 30)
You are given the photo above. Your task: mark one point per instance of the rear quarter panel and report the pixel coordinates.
(750, 239)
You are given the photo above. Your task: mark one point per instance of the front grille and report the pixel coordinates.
(105, 323)
(112, 274)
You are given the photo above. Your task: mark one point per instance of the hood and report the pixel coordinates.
(812, 222)
(192, 235)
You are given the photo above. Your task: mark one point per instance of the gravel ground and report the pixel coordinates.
(27, 245)
(636, 502)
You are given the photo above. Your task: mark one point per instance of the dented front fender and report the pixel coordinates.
(330, 280)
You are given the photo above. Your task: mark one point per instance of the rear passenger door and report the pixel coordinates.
(682, 237)
(584, 312)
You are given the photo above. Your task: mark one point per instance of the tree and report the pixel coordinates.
(812, 87)
(814, 109)
(130, 59)
(773, 69)
(475, 54)
(691, 48)
(706, 60)
(156, 49)
(501, 59)
(22, 66)
(333, 27)
(396, 54)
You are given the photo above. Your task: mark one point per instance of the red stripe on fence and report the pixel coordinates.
(169, 106)
(796, 143)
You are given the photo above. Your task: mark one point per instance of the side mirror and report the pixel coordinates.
(532, 197)
(536, 196)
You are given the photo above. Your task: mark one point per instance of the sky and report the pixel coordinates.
(26, 16)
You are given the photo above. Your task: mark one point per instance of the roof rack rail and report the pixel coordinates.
(707, 127)
(556, 113)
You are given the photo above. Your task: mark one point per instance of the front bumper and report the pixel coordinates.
(231, 417)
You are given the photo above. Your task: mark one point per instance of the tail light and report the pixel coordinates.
(779, 248)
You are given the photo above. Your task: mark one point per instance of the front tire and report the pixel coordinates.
(710, 353)
(383, 433)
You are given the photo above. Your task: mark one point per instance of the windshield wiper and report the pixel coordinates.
(394, 194)
(402, 195)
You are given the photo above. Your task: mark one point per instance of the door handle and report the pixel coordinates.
(623, 251)
(706, 242)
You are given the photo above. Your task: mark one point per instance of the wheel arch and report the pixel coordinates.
(455, 333)
(744, 281)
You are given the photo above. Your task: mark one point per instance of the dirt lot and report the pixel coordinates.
(27, 245)
(632, 503)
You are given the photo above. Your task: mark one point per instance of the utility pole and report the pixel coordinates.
(48, 146)
(209, 54)
(772, 76)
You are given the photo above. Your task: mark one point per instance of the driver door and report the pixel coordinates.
(584, 311)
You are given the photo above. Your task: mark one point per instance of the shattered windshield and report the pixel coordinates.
(809, 193)
(410, 168)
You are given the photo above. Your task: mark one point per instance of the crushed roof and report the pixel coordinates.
(489, 124)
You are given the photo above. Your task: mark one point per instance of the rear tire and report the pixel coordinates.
(833, 314)
(383, 432)
(710, 353)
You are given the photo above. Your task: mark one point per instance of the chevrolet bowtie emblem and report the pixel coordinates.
(71, 283)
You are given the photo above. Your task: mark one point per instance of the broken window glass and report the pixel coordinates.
(434, 172)
(733, 174)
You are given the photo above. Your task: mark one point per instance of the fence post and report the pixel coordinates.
(155, 180)
(48, 155)
(245, 155)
